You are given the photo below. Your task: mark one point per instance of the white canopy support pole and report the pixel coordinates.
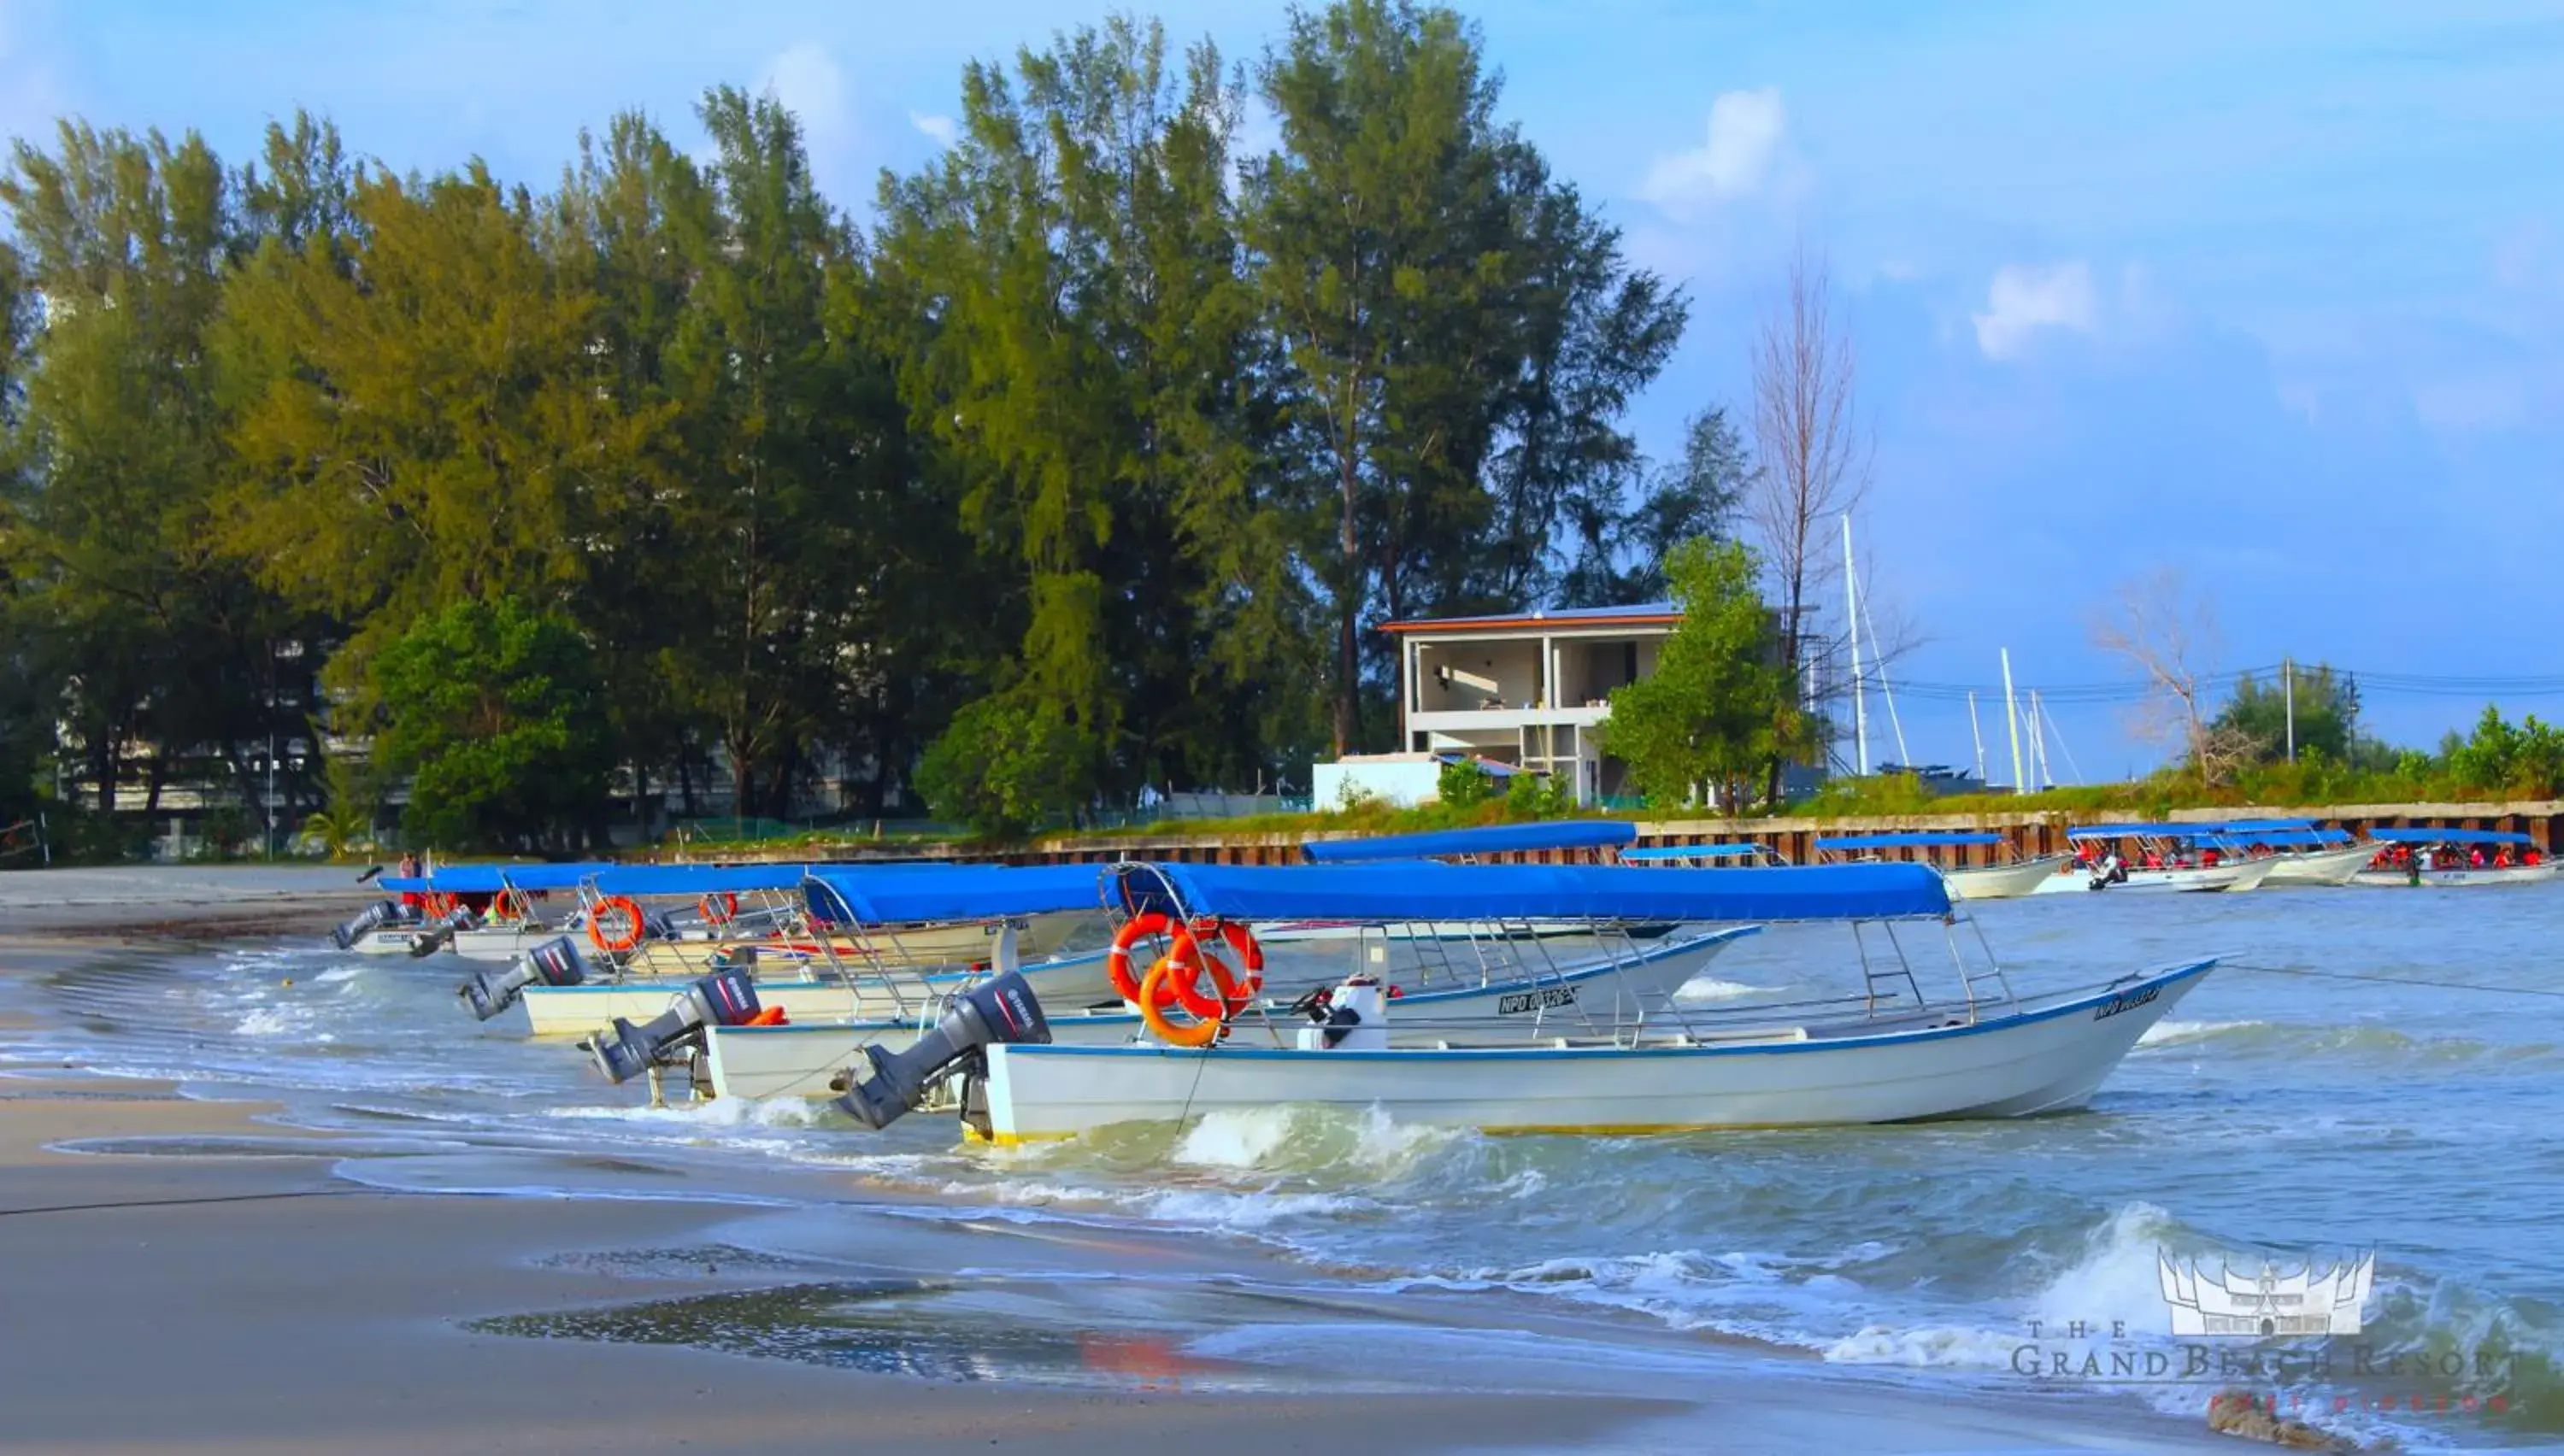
(2012, 723)
(1851, 611)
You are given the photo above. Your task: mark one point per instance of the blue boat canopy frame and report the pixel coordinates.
(2402, 834)
(1492, 839)
(491, 879)
(1515, 893)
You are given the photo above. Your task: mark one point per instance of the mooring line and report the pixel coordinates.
(2401, 980)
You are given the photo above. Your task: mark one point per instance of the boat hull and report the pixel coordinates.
(803, 1060)
(2464, 878)
(491, 943)
(2046, 1056)
(2003, 882)
(2235, 878)
(2330, 867)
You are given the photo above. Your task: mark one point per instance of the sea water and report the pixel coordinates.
(2416, 1113)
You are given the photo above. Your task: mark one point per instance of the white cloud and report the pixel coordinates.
(2024, 299)
(1746, 130)
(808, 80)
(937, 128)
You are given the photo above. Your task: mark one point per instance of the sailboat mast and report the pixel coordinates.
(1977, 732)
(2012, 724)
(1851, 610)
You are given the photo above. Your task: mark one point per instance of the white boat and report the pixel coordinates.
(2446, 859)
(2182, 852)
(803, 1058)
(2320, 867)
(1886, 1054)
(2004, 881)
(2040, 1056)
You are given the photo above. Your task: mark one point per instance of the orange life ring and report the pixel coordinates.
(1183, 985)
(1117, 962)
(728, 907)
(626, 912)
(1237, 993)
(510, 905)
(1193, 1034)
(440, 905)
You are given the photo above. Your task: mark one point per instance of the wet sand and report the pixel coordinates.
(240, 1289)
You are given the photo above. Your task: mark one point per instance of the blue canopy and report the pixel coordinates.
(896, 894)
(491, 879)
(2156, 831)
(699, 879)
(1691, 852)
(1493, 839)
(1925, 839)
(2418, 835)
(1437, 891)
(2296, 835)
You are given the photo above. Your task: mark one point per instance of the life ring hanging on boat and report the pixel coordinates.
(510, 905)
(1117, 961)
(720, 908)
(1156, 987)
(1236, 992)
(624, 913)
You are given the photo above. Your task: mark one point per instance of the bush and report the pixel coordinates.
(1008, 762)
(1464, 784)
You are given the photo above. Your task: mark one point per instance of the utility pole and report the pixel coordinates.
(2012, 722)
(1851, 610)
(2288, 686)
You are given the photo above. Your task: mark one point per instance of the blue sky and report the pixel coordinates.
(2271, 294)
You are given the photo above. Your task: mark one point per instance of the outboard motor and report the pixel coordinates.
(369, 919)
(437, 934)
(556, 962)
(1003, 1010)
(727, 997)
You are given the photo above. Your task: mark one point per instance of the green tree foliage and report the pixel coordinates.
(2327, 714)
(1457, 332)
(2524, 761)
(1463, 784)
(1005, 766)
(1718, 708)
(1105, 422)
(495, 712)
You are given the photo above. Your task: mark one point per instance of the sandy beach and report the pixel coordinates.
(190, 1276)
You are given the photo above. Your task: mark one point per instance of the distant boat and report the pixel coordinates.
(2188, 859)
(2005, 881)
(2445, 858)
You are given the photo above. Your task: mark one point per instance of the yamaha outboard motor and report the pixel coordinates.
(727, 997)
(369, 919)
(556, 962)
(1002, 1010)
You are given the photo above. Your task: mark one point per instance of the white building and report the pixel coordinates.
(1528, 689)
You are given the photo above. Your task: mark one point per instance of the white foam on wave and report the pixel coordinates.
(2174, 1033)
(1711, 988)
(719, 1113)
(1271, 1138)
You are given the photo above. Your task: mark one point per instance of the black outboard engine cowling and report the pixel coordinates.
(369, 919)
(727, 997)
(437, 934)
(556, 962)
(1002, 1012)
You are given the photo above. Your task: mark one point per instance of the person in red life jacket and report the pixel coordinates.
(409, 871)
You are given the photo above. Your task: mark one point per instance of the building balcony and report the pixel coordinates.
(1507, 717)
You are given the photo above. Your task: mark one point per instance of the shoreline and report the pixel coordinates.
(210, 1283)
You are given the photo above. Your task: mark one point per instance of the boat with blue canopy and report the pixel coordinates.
(2170, 858)
(2005, 876)
(2300, 853)
(478, 912)
(2424, 857)
(1886, 1052)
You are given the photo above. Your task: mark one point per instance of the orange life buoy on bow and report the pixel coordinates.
(1241, 990)
(1117, 962)
(720, 908)
(1156, 986)
(623, 914)
(510, 905)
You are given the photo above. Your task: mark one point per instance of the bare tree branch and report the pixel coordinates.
(1813, 456)
(2167, 632)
